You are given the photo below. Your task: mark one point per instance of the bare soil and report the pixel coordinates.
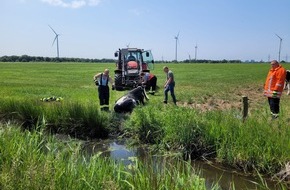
(234, 101)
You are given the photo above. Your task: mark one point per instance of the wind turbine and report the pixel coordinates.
(279, 45)
(195, 51)
(176, 39)
(56, 38)
(128, 45)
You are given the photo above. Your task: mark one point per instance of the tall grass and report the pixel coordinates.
(164, 175)
(251, 145)
(78, 120)
(33, 160)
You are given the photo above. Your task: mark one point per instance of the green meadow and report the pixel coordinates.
(206, 123)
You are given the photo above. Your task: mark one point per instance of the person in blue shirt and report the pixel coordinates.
(102, 80)
(169, 85)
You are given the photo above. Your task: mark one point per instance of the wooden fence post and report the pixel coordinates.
(245, 107)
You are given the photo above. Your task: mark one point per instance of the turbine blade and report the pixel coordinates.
(56, 38)
(52, 29)
(278, 36)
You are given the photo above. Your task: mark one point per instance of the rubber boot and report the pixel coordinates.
(105, 109)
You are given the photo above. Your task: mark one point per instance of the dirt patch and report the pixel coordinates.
(232, 101)
(212, 104)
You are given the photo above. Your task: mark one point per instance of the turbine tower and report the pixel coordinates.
(279, 46)
(56, 38)
(176, 40)
(195, 52)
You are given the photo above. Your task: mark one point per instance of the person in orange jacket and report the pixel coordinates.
(274, 86)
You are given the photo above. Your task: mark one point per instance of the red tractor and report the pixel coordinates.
(130, 64)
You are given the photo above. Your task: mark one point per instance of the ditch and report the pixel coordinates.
(212, 173)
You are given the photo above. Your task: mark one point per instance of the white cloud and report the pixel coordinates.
(72, 3)
(78, 4)
(94, 2)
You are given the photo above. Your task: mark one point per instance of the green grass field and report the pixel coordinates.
(74, 82)
(206, 123)
(202, 86)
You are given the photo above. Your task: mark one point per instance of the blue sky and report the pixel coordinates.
(222, 29)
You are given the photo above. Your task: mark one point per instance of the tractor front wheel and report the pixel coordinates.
(118, 82)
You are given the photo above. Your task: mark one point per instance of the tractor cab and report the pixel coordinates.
(129, 66)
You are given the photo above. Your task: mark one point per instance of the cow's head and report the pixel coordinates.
(125, 104)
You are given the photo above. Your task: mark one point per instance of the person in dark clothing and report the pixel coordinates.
(102, 80)
(150, 81)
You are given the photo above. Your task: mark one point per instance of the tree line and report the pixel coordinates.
(27, 58)
(201, 61)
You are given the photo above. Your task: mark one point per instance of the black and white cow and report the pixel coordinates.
(287, 82)
(129, 101)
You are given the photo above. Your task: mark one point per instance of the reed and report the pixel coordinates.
(251, 145)
(34, 160)
(78, 120)
(163, 175)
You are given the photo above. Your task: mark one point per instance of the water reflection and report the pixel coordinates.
(213, 173)
(116, 150)
(227, 177)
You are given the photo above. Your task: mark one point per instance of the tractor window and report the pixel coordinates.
(148, 58)
(132, 56)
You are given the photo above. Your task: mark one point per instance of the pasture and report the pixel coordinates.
(200, 86)
(205, 123)
(215, 85)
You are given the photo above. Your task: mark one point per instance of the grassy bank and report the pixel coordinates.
(78, 120)
(253, 145)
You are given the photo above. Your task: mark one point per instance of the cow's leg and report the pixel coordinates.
(142, 101)
(288, 88)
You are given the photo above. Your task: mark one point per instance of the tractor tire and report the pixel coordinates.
(118, 82)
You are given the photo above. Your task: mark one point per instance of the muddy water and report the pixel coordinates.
(213, 173)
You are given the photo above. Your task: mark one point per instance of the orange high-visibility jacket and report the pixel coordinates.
(275, 82)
